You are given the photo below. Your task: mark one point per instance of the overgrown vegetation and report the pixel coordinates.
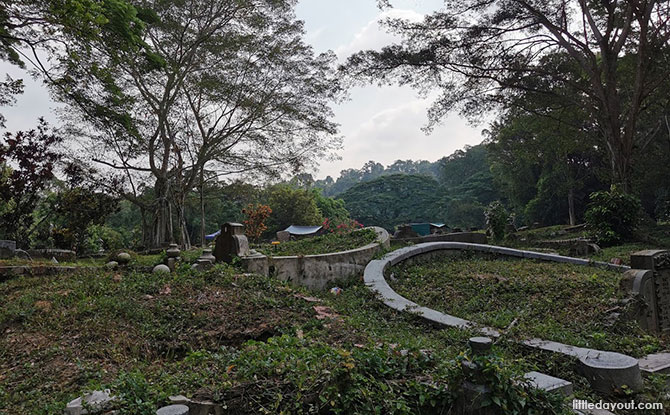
(322, 244)
(565, 303)
(249, 341)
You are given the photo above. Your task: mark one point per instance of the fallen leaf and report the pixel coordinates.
(166, 290)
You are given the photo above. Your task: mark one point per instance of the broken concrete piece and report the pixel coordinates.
(96, 401)
(549, 383)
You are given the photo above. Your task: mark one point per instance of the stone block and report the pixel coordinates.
(173, 410)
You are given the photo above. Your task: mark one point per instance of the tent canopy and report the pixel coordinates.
(302, 230)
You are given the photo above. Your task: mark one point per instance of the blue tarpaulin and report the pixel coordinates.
(212, 236)
(302, 230)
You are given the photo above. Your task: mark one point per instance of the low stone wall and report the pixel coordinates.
(467, 237)
(60, 254)
(606, 371)
(316, 271)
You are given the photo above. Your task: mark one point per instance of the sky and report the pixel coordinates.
(377, 123)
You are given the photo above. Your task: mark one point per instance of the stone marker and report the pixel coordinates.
(161, 268)
(111, 265)
(549, 383)
(173, 410)
(96, 401)
(231, 242)
(283, 236)
(123, 258)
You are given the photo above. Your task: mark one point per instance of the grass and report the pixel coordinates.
(561, 302)
(333, 242)
(257, 344)
(252, 342)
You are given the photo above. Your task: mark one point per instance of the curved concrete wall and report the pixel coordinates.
(606, 371)
(316, 271)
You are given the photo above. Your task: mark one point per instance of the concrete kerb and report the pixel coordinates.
(605, 371)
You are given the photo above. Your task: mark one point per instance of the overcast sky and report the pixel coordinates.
(380, 124)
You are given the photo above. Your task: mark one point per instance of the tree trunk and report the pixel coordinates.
(162, 224)
(202, 210)
(571, 207)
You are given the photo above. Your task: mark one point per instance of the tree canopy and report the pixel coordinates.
(483, 55)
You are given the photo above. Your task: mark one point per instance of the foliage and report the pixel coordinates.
(612, 215)
(292, 206)
(239, 92)
(322, 244)
(391, 200)
(497, 219)
(34, 156)
(372, 170)
(101, 237)
(485, 55)
(340, 227)
(254, 224)
(331, 208)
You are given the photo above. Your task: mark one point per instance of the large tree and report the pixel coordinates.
(481, 54)
(236, 90)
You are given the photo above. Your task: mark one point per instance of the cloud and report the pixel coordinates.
(373, 35)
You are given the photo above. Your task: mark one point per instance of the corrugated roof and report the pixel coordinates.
(302, 230)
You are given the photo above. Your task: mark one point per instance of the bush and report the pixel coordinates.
(497, 219)
(612, 215)
(100, 236)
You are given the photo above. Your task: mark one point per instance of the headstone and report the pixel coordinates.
(643, 309)
(7, 249)
(283, 236)
(161, 268)
(111, 265)
(658, 262)
(231, 242)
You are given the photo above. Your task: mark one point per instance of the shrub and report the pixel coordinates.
(612, 215)
(255, 222)
(497, 219)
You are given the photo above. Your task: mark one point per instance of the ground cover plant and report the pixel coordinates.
(322, 244)
(561, 302)
(252, 342)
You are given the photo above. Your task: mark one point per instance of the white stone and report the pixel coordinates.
(112, 264)
(161, 268)
(173, 410)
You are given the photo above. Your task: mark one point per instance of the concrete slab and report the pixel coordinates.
(655, 363)
(549, 383)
